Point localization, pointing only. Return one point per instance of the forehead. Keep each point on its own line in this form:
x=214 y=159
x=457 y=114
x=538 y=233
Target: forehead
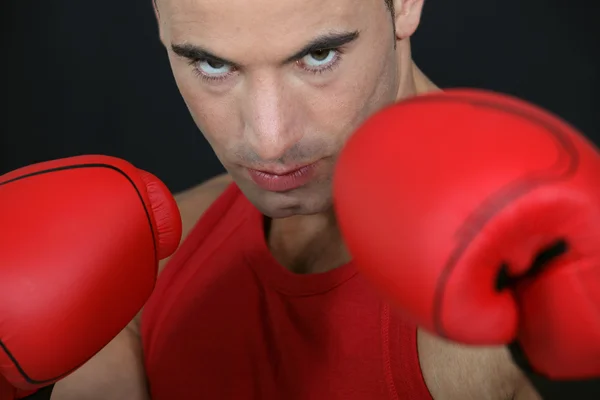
x=281 y=24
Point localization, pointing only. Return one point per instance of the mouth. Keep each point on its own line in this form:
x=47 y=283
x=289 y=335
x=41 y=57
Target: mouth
x=283 y=179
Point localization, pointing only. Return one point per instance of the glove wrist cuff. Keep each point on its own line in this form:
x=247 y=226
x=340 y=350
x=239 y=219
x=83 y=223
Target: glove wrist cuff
x=550 y=389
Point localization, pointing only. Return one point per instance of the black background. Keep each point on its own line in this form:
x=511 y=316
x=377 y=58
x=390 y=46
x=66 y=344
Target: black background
x=82 y=77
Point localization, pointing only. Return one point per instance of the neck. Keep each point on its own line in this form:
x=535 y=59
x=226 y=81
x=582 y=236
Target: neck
x=307 y=244
x=422 y=83
x=413 y=83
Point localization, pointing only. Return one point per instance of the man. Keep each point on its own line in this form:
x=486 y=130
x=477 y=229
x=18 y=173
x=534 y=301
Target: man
x=271 y=308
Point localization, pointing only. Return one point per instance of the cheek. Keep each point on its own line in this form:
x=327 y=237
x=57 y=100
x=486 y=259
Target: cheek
x=361 y=90
x=215 y=115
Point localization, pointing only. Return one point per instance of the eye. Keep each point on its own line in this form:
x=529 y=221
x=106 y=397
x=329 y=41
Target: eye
x=320 y=59
x=212 y=69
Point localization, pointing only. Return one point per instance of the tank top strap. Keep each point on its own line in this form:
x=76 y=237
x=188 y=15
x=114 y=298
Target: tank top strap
x=404 y=373
x=225 y=208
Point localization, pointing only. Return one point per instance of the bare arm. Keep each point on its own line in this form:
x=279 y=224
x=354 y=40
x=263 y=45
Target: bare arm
x=117 y=372
x=525 y=391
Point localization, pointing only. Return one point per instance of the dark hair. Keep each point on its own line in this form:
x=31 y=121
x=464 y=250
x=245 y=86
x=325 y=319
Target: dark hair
x=390 y=6
x=388 y=3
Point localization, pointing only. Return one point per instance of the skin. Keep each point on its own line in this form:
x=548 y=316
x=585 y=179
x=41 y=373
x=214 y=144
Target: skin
x=263 y=114
x=260 y=112
x=260 y=109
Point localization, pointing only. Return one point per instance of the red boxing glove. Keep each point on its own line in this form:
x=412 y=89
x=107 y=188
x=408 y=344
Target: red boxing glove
x=79 y=248
x=478 y=215
x=7 y=392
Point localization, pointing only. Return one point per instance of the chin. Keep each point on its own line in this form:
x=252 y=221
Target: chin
x=311 y=199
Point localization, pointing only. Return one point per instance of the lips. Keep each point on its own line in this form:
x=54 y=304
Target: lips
x=283 y=181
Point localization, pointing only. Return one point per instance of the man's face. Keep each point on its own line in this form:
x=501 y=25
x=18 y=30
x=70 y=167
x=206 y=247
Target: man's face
x=278 y=86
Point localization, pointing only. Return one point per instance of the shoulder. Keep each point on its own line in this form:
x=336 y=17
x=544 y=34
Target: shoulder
x=193 y=202
x=204 y=193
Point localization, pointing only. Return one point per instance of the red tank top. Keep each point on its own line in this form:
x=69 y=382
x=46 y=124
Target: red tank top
x=226 y=321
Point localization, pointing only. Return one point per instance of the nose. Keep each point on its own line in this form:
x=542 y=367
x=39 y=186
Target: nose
x=270 y=115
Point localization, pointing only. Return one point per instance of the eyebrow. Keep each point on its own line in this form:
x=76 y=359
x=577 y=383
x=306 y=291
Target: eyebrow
x=324 y=42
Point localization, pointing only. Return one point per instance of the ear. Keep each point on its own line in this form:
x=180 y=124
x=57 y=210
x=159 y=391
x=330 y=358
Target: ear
x=408 y=17
x=155 y=8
